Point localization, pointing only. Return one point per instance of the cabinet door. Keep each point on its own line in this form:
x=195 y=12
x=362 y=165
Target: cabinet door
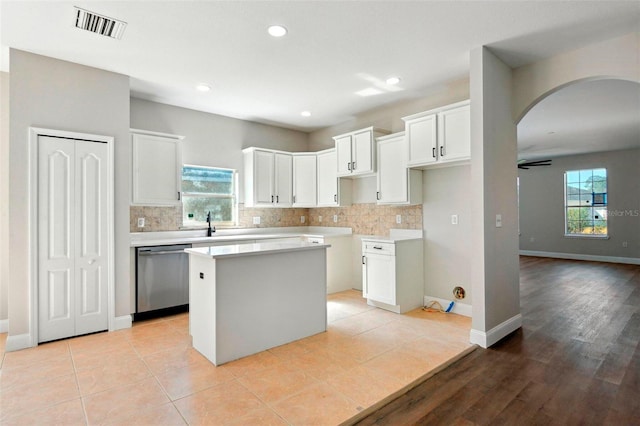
x=263 y=178
x=283 y=180
x=327 y=179
x=362 y=153
x=343 y=151
x=304 y=180
x=422 y=140
x=157 y=170
x=454 y=134
x=380 y=275
x=392 y=171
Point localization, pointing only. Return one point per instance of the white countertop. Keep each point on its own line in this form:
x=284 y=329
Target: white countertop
x=395 y=235
x=139 y=239
x=231 y=250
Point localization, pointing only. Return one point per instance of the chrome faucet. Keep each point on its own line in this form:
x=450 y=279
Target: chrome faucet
x=209 y=230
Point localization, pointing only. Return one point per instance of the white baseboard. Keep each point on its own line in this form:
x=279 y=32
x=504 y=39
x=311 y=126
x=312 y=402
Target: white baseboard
x=589 y=257
x=17 y=342
x=122 y=322
x=4 y=326
x=458 y=308
x=491 y=337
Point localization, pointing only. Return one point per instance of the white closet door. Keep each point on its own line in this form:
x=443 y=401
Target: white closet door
x=72 y=237
x=91 y=266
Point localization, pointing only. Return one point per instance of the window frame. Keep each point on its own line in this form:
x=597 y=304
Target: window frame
x=605 y=205
x=233 y=196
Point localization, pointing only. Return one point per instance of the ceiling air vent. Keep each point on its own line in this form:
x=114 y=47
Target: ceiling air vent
x=99 y=24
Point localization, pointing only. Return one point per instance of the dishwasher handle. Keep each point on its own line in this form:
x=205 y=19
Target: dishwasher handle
x=153 y=253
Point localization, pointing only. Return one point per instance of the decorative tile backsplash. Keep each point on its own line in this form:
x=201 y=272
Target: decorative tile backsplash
x=364 y=219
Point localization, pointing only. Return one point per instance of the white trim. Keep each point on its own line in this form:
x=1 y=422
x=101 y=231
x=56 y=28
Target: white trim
x=150 y=133
x=4 y=326
x=489 y=338
x=18 y=342
x=575 y=256
x=122 y=322
x=32 y=170
x=458 y=308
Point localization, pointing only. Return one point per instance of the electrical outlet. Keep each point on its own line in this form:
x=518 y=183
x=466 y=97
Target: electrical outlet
x=625 y=244
x=141 y=222
x=256 y=220
x=454 y=219
x=302 y=219
x=335 y=217
x=398 y=218
x=319 y=218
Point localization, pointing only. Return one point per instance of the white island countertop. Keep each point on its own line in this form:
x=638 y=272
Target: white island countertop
x=232 y=250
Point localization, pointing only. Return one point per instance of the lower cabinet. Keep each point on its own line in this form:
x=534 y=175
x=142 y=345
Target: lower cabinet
x=392 y=274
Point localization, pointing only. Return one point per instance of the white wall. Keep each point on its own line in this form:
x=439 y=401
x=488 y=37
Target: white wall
x=494 y=263
x=4 y=199
x=447 y=191
x=55 y=94
x=542 y=205
x=210 y=139
x=618 y=57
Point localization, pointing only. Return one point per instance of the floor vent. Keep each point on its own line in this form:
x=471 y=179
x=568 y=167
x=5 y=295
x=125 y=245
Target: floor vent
x=99 y=24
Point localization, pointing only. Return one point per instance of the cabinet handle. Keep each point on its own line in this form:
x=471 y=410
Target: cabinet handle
x=335 y=197
x=349 y=166
x=433 y=152
x=378 y=195
x=353 y=165
x=441 y=153
x=377 y=247
x=278 y=198
x=272 y=198
x=294 y=198
x=178 y=195
x=363 y=259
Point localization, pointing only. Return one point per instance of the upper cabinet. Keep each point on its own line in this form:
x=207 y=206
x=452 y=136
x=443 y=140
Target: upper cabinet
x=157 y=168
x=439 y=136
x=304 y=180
x=356 y=155
x=268 y=178
x=332 y=191
x=396 y=183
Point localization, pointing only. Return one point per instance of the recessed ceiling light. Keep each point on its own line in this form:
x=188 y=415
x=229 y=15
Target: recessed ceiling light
x=305 y=113
x=277 y=30
x=370 y=91
x=203 y=87
x=393 y=80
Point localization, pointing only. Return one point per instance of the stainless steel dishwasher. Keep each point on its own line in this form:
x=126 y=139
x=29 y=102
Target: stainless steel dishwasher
x=162 y=280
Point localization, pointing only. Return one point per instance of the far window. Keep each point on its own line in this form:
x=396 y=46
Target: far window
x=585 y=201
x=208 y=189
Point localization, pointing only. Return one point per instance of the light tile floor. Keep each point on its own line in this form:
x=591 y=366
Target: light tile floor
x=150 y=374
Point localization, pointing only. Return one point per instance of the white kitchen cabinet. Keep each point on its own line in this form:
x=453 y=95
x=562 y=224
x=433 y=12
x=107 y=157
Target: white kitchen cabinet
x=356 y=155
x=157 y=168
x=392 y=273
x=332 y=191
x=304 y=180
x=439 y=137
x=268 y=178
x=339 y=261
x=396 y=184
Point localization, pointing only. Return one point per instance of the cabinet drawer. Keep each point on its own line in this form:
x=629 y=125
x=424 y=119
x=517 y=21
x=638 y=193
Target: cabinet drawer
x=374 y=247
x=315 y=240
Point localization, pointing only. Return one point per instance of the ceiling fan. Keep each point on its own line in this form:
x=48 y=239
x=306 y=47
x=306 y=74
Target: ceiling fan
x=524 y=164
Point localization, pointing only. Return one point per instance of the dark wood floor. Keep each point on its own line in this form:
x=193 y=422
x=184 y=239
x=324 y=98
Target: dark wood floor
x=576 y=360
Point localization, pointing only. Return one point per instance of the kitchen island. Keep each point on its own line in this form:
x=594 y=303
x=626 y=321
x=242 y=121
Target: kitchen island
x=246 y=298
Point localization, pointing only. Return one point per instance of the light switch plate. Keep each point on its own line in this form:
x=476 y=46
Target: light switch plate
x=398 y=218
x=256 y=220
x=454 y=219
x=498 y=221
x=141 y=222
x=302 y=219
x=335 y=217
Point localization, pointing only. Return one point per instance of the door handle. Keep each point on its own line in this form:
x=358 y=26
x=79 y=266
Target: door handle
x=349 y=166
x=433 y=152
x=363 y=259
x=353 y=165
x=378 y=195
x=272 y=198
x=278 y=198
x=335 y=197
x=441 y=153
